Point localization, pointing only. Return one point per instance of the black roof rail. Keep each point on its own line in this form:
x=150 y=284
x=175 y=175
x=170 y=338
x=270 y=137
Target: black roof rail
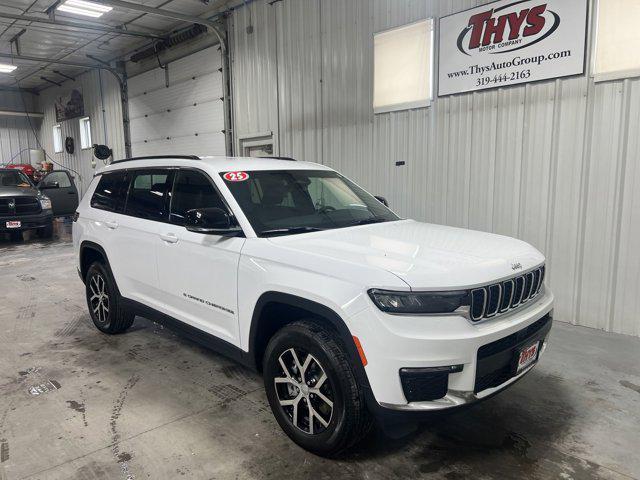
x=158 y=157
x=289 y=159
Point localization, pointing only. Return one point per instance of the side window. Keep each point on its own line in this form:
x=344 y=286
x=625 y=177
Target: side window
x=148 y=192
x=111 y=192
x=57 y=139
x=61 y=178
x=192 y=190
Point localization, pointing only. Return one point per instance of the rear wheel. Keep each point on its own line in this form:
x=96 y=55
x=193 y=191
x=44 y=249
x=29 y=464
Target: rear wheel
x=312 y=389
x=104 y=301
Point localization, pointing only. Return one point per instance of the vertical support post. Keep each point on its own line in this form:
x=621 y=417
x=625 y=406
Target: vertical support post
x=124 y=95
x=124 y=98
x=226 y=96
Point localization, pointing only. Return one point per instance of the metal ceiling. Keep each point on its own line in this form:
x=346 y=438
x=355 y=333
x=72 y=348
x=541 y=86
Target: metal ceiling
x=78 y=45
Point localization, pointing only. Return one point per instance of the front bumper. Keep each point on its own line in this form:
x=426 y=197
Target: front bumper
x=28 y=222
x=396 y=343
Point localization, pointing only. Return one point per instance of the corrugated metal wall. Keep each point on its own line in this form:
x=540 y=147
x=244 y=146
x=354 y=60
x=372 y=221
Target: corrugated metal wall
x=555 y=163
x=16 y=135
x=102 y=105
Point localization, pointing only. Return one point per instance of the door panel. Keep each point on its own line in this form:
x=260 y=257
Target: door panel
x=136 y=233
x=198 y=272
x=60 y=188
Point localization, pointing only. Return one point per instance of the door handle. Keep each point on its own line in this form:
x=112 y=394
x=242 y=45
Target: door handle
x=169 y=237
x=72 y=193
x=112 y=225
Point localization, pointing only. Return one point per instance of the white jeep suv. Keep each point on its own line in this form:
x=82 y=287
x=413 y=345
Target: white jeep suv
x=350 y=312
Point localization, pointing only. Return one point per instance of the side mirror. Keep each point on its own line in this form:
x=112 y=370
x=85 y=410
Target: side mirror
x=49 y=185
x=210 y=221
x=382 y=200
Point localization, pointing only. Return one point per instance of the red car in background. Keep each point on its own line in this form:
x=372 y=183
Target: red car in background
x=29 y=170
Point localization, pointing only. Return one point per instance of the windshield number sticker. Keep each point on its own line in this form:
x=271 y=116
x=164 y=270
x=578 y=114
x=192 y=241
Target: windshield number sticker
x=236 y=176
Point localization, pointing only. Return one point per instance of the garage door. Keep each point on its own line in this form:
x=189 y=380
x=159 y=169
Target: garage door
x=178 y=110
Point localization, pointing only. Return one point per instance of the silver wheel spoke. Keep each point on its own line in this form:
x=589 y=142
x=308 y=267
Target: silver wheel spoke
x=320 y=419
x=284 y=380
x=297 y=362
x=290 y=401
x=323 y=397
x=295 y=410
x=304 y=367
x=284 y=367
x=320 y=381
x=311 y=411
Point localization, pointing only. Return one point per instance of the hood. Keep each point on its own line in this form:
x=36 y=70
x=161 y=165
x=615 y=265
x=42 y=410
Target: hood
x=19 y=192
x=425 y=256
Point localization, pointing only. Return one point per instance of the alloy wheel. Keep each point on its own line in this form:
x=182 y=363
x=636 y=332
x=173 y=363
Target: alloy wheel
x=99 y=298
x=304 y=392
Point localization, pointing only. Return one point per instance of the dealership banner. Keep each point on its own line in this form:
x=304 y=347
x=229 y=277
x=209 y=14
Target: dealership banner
x=510 y=42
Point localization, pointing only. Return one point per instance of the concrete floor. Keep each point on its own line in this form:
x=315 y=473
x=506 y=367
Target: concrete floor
x=77 y=404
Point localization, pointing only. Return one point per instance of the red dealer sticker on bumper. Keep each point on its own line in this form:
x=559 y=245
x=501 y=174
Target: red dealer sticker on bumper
x=235 y=176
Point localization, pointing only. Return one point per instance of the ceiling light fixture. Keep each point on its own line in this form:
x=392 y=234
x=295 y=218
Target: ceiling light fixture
x=82 y=7
x=5 y=68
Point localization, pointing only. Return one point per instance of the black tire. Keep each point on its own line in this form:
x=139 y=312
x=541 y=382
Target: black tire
x=114 y=319
x=349 y=420
x=46 y=232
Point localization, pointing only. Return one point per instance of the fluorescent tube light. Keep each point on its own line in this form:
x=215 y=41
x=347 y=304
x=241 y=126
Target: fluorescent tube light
x=5 y=68
x=82 y=7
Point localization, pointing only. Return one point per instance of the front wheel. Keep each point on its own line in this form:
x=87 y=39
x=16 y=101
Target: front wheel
x=104 y=302
x=312 y=389
x=46 y=232
x=15 y=236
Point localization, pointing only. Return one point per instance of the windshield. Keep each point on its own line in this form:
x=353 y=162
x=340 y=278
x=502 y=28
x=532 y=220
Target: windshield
x=14 y=178
x=281 y=202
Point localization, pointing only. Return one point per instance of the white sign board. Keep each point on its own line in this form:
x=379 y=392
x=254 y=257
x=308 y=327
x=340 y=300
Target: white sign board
x=510 y=42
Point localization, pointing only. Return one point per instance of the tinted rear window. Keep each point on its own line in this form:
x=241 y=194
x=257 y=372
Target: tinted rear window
x=111 y=192
x=148 y=194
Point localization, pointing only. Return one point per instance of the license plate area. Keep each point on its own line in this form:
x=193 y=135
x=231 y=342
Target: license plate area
x=526 y=356
x=14 y=224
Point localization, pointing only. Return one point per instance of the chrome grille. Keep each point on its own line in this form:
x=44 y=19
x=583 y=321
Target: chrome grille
x=498 y=298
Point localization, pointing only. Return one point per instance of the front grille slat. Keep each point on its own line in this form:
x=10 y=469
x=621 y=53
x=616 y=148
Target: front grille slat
x=498 y=298
x=478 y=303
x=507 y=295
x=493 y=301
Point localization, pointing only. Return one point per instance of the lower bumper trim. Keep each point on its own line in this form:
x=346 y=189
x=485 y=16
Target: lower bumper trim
x=456 y=398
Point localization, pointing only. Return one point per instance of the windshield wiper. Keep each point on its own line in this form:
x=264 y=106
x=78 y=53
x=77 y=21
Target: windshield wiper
x=290 y=230
x=368 y=221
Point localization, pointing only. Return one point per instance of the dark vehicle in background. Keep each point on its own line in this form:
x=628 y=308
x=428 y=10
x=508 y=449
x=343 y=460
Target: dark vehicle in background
x=23 y=206
x=59 y=187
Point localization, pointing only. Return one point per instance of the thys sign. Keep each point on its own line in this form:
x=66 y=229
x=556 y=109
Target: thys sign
x=511 y=42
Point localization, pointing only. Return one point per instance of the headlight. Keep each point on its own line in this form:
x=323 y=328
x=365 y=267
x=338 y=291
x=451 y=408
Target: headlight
x=45 y=203
x=419 y=302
